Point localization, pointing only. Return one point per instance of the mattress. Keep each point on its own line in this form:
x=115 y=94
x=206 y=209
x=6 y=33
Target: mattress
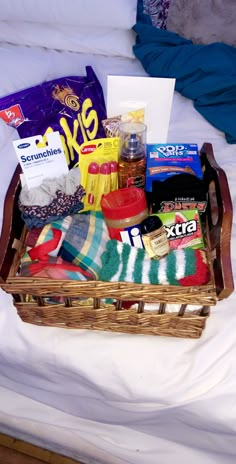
x=109 y=397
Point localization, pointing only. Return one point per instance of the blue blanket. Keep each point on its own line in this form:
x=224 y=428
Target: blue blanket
x=204 y=73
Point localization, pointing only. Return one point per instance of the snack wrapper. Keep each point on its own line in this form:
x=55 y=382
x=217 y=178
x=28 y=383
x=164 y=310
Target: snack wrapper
x=111 y=125
x=72 y=105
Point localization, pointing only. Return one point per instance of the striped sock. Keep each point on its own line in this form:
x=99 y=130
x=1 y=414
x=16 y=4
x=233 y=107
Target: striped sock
x=123 y=263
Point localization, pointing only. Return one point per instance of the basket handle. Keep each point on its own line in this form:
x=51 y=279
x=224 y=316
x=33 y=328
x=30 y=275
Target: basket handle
x=219 y=216
x=12 y=225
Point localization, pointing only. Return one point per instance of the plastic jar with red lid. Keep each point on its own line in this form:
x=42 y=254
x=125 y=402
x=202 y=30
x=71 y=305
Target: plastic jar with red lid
x=123 y=211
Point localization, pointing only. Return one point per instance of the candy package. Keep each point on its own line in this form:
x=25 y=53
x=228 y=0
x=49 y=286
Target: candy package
x=111 y=125
x=72 y=105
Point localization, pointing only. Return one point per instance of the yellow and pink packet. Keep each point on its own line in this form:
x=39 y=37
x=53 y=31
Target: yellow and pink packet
x=98 y=163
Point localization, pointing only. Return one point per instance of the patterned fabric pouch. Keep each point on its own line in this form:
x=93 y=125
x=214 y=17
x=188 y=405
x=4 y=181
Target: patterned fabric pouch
x=41 y=260
x=85 y=241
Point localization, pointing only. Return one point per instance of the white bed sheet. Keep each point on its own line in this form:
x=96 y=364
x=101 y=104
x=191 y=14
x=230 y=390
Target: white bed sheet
x=109 y=397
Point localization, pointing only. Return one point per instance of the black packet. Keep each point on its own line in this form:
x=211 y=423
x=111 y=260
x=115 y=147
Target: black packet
x=178 y=192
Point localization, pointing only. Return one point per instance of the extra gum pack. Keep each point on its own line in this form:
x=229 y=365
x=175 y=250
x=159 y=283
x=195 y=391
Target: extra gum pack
x=183 y=228
x=166 y=160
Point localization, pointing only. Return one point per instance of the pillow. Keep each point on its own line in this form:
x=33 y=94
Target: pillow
x=203 y=22
x=95 y=40
x=93 y=13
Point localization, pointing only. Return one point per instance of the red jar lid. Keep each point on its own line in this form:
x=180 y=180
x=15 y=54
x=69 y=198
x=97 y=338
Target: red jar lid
x=123 y=203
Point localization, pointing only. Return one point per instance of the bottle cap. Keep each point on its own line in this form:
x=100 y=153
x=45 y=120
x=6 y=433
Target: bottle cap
x=133 y=140
x=123 y=203
x=114 y=166
x=93 y=168
x=105 y=168
x=132 y=143
x=150 y=224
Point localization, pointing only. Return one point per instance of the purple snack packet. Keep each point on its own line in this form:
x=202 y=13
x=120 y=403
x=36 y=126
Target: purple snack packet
x=72 y=105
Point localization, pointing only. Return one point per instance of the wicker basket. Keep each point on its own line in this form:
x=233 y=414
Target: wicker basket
x=81 y=306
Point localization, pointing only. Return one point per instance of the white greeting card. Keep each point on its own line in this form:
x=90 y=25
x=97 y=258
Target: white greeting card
x=40 y=158
x=154 y=94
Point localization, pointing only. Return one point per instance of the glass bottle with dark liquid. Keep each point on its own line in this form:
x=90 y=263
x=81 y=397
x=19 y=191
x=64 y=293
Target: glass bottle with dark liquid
x=132 y=161
x=154 y=237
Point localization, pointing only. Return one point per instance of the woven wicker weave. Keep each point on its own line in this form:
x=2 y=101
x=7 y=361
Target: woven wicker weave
x=82 y=303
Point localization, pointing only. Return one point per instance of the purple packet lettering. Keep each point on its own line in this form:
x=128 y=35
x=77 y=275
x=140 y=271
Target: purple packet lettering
x=72 y=105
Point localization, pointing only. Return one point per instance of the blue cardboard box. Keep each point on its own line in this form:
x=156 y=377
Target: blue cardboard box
x=168 y=159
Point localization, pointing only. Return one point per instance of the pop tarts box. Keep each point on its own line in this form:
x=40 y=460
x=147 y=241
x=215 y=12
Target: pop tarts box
x=168 y=159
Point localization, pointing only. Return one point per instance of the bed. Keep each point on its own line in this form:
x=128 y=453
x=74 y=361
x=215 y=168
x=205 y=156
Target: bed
x=109 y=397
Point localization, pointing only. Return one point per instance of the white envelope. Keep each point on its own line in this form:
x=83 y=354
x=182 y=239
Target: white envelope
x=154 y=94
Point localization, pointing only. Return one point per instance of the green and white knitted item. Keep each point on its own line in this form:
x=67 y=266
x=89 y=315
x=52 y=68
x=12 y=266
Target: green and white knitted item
x=124 y=263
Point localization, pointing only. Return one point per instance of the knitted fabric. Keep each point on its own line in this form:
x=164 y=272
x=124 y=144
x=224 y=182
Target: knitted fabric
x=123 y=263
